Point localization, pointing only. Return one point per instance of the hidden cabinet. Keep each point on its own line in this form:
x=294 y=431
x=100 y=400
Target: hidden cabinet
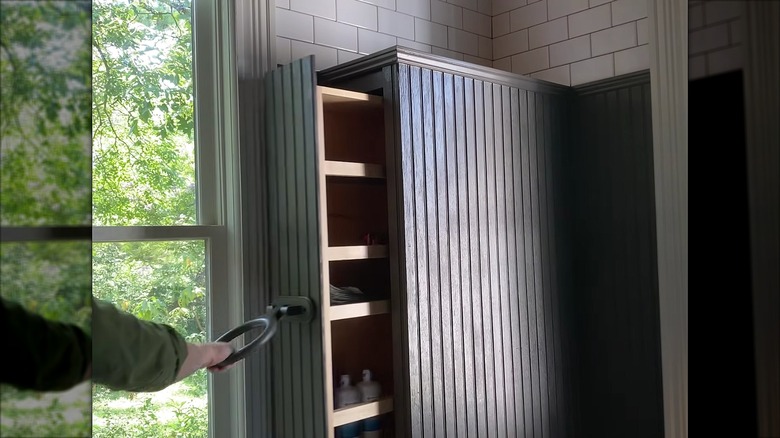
x=412 y=198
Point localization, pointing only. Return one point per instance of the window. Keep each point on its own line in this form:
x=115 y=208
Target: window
x=44 y=192
x=162 y=189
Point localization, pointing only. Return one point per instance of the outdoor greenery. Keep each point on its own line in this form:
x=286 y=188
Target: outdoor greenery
x=144 y=174
x=136 y=109
x=45 y=113
x=45 y=126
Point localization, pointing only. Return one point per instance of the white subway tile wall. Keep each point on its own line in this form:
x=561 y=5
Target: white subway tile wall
x=531 y=61
x=283 y=51
x=559 y=75
x=593 y=69
x=334 y=34
x=510 y=44
x=548 y=33
x=503 y=63
x=584 y=40
x=566 y=52
x=613 y=39
x=357 y=14
x=569 y=42
x=395 y=23
x=624 y=11
x=430 y=33
x=414 y=45
x=500 y=24
x=631 y=60
x=468 y=43
x=325 y=56
x=475 y=22
x=641 y=32
x=447 y=53
x=446 y=14
x=417 y=8
x=319 y=8
x=370 y=41
x=715 y=39
x=346 y=29
x=590 y=20
x=527 y=16
x=560 y=8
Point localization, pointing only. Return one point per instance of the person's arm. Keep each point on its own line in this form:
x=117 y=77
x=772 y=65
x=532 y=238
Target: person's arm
x=42 y=355
x=204 y=356
x=136 y=355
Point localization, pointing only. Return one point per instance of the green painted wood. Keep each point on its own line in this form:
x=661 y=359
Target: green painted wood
x=612 y=224
x=294 y=253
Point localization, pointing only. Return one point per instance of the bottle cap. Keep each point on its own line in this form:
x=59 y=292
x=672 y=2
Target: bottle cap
x=366 y=375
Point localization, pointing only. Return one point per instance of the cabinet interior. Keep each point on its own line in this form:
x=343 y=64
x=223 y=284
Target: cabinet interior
x=358 y=336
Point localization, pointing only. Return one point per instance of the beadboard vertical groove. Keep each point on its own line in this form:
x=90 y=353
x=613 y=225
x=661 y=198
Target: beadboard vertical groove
x=477 y=171
x=294 y=254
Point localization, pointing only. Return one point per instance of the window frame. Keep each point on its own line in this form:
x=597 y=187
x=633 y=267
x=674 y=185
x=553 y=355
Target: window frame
x=218 y=201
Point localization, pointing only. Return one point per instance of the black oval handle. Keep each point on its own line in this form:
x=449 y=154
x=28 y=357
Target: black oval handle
x=268 y=322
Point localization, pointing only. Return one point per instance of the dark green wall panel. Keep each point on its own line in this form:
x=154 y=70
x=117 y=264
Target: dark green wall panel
x=614 y=260
x=296 y=351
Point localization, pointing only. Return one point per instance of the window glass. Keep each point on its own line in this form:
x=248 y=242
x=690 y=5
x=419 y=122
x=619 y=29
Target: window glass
x=51 y=279
x=143 y=135
x=162 y=282
x=45 y=113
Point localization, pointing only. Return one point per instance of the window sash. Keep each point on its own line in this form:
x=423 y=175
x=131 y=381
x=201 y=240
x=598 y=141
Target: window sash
x=217 y=202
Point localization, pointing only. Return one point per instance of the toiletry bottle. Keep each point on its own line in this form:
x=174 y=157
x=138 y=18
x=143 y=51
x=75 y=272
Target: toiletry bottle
x=372 y=428
x=369 y=390
x=347 y=395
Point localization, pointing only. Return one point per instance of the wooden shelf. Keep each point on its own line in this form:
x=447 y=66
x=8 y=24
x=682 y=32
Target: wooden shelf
x=359 y=170
x=335 y=96
x=357 y=310
x=362 y=411
x=336 y=253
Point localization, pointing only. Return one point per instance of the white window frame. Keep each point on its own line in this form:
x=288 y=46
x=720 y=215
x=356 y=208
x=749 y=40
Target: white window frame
x=217 y=169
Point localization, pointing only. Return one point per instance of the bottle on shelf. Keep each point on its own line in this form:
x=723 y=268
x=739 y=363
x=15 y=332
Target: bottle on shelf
x=372 y=428
x=346 y=395
x=369 y=389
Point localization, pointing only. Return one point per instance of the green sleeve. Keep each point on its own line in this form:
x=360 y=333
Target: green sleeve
x=41 y=354
x=133 y=354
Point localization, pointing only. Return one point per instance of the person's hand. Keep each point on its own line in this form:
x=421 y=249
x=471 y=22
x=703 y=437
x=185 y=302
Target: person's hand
x=206 y=355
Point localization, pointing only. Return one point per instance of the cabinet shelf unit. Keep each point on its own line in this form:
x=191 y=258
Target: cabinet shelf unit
x=362 y=411
x=359 y=310
x=353 y=200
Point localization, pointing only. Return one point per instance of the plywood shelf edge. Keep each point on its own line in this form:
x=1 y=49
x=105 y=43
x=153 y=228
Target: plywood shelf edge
x=362 y=411
x=336 y=253
x=357 y=310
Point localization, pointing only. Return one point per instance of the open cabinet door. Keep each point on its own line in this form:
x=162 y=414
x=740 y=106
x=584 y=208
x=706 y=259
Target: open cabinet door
x=295 y=259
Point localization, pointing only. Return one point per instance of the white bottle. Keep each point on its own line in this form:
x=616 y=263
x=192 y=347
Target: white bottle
x=346 y=394
x=369 y=390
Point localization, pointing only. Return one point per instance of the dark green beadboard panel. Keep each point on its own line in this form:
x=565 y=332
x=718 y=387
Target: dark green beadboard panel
x=612 y=226
x=478 y=192
x=294 y=256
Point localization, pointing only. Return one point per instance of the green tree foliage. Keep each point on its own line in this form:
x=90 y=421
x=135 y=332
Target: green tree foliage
x=45 y=116
x=45 y=123
x=143 y=141
x=144 y=174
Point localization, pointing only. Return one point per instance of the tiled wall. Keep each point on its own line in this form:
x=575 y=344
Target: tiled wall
x=715 y=41
x=570 y=42
x=337 y=31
